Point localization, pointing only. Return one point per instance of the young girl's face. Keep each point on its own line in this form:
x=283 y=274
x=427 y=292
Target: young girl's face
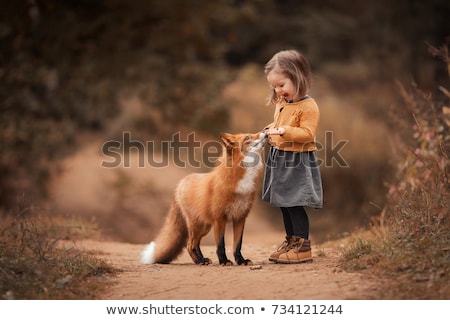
x=282 y=85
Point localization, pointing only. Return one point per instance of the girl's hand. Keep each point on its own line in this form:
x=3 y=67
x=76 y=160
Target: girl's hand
x=275 y=131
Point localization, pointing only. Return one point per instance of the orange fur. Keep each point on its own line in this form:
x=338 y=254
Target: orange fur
x=206 y=200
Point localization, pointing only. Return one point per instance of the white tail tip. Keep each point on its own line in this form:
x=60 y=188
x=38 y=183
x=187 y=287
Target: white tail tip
x=148 y=253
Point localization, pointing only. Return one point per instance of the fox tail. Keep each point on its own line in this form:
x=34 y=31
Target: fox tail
x=170 y=241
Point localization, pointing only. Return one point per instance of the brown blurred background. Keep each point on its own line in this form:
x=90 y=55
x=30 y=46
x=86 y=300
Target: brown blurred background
x=78 y=73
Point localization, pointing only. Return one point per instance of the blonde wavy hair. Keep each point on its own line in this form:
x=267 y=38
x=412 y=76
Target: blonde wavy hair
x=293 y=65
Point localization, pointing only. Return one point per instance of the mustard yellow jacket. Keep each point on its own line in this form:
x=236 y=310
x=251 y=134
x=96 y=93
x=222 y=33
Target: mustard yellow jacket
x=300 y=120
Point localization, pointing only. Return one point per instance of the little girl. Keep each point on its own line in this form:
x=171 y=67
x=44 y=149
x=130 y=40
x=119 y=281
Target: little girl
x=292 y=178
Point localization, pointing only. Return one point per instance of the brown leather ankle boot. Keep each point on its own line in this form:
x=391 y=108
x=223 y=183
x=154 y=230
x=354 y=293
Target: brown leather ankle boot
x=283 y=248
x=299 y=251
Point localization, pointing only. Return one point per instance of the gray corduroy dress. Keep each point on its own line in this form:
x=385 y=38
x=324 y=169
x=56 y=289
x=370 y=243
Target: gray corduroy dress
x=292 y=179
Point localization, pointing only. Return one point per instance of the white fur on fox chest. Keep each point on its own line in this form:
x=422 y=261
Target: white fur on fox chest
x=248 y=182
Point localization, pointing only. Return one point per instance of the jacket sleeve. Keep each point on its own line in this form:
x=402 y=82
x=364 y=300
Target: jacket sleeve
x=306 y=129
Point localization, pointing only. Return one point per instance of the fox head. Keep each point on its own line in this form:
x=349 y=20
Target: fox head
x=243 y=148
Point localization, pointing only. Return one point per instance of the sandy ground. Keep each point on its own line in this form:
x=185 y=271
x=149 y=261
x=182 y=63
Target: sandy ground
x=321 y=279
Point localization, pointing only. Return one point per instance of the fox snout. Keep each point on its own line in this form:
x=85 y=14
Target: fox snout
x=260 y=141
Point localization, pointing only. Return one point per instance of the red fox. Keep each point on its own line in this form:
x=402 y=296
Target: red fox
x=206 y=200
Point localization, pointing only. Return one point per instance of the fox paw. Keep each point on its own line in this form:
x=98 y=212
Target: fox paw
x=245 y=262
x=226 y=263
x=203 y=261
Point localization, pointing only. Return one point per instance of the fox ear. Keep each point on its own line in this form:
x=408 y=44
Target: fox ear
x=226 y=140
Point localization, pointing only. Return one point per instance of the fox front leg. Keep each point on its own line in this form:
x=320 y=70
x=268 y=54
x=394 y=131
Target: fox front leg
x=238 y=231
x=219 y=233
x=223 y=259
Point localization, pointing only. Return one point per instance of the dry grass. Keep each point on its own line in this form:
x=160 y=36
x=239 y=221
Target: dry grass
x=406 y=268
x=410 y=243
x=34 y=266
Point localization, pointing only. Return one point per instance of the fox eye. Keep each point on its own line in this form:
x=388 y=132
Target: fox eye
x=246 y=138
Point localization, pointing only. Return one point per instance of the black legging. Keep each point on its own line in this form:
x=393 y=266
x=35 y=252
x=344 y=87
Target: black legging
x=296 y=221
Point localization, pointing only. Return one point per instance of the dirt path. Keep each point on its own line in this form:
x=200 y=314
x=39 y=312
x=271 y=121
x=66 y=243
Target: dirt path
x=320 y=280
x=130 y=204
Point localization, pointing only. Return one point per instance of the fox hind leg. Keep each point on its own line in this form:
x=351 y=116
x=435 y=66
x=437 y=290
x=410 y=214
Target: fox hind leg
x=197 y=255
x=193 y=244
